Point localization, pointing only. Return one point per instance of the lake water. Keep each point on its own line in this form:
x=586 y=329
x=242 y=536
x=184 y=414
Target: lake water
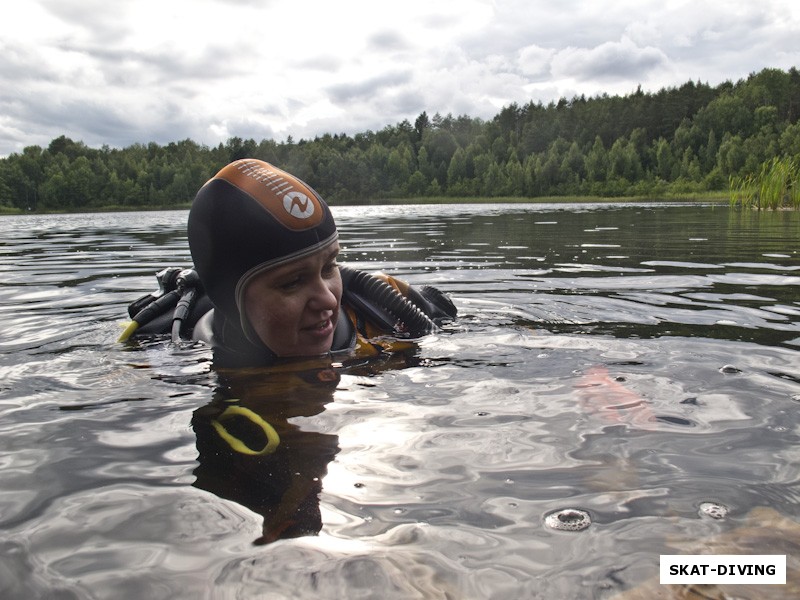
x=638 y=363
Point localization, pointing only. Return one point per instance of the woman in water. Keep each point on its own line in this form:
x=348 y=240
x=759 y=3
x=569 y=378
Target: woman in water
x=264 y=245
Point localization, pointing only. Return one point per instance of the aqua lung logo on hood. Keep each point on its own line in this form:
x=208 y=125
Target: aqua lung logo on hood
x=298 y=205
x=284 y=196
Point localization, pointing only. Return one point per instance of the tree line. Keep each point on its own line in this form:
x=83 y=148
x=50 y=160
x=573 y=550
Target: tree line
x=688 y=139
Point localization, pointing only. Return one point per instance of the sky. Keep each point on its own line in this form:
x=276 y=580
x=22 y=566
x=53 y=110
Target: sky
x=122 y=72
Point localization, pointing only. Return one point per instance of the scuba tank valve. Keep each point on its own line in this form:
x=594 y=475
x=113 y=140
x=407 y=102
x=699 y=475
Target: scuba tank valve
x=188 y=282
x=167 y=281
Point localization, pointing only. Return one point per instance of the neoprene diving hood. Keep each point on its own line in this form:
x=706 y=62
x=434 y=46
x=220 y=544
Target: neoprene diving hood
x=249 y=218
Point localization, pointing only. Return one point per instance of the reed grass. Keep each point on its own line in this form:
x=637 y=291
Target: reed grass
x=777 y=185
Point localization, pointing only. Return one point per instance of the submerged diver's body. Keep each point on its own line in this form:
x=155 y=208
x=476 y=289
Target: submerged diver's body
x=278 y=477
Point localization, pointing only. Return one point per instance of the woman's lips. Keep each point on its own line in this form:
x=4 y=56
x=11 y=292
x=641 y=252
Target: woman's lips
x=321 y=329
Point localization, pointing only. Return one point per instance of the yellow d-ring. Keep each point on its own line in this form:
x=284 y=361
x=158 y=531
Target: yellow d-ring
x=273 y=439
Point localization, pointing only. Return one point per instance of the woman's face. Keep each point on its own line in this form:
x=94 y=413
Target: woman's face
x=294 y=307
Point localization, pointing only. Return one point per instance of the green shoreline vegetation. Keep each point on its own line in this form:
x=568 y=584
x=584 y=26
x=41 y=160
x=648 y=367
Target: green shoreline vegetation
x=775 y=186
x=738 y=142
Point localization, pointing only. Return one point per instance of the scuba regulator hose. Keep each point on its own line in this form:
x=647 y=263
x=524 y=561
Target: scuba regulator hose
x=179 y=289
x=188 y=286
x=414 y=322
x=151 y=311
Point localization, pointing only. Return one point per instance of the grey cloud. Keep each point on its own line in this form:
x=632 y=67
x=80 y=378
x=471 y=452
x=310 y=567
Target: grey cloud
x=21 y=64
x=95 y=119
x=121 y=67
x=534 y=61
x=520 y=23
x=390 y=107
x=248 y=128
x=327 y=63
x=609 y=61
x=408 y=102
x=97 y=30
x=87 y=121
x=387 y=41
x=346 y=92
x=43 y=116
x=104 y=20
x=436 y=21
x=110 y=91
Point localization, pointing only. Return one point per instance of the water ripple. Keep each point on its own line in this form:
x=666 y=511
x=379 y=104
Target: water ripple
x=637 y=363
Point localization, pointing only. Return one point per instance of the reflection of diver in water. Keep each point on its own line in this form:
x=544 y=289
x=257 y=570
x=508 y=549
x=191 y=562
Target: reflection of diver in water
x=252 y=450
x=251 y=453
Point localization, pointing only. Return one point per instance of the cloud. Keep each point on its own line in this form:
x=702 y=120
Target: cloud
x=535 y=61
x=102 y=21
x=243 y=126
x=148 y=70
x=610 y=61
x=23 y=64
x=387 y=40
x=321 y=62
x=367 y=88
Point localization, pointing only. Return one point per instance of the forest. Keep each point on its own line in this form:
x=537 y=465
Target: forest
x=691 y=139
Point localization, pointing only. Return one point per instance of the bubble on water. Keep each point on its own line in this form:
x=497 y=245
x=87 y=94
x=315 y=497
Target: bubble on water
x=729 y=370
x=568 y=519
x=714 y=510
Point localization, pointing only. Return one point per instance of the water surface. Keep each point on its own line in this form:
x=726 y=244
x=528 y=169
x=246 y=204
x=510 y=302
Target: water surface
x=634 y=362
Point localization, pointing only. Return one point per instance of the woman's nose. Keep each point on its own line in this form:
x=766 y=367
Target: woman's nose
x=325 y=294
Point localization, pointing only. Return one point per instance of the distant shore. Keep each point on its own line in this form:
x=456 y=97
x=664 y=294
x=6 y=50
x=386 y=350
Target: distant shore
x=714 y=197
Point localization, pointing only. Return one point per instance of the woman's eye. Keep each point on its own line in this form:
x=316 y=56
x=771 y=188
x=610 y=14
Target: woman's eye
x=291 y=283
